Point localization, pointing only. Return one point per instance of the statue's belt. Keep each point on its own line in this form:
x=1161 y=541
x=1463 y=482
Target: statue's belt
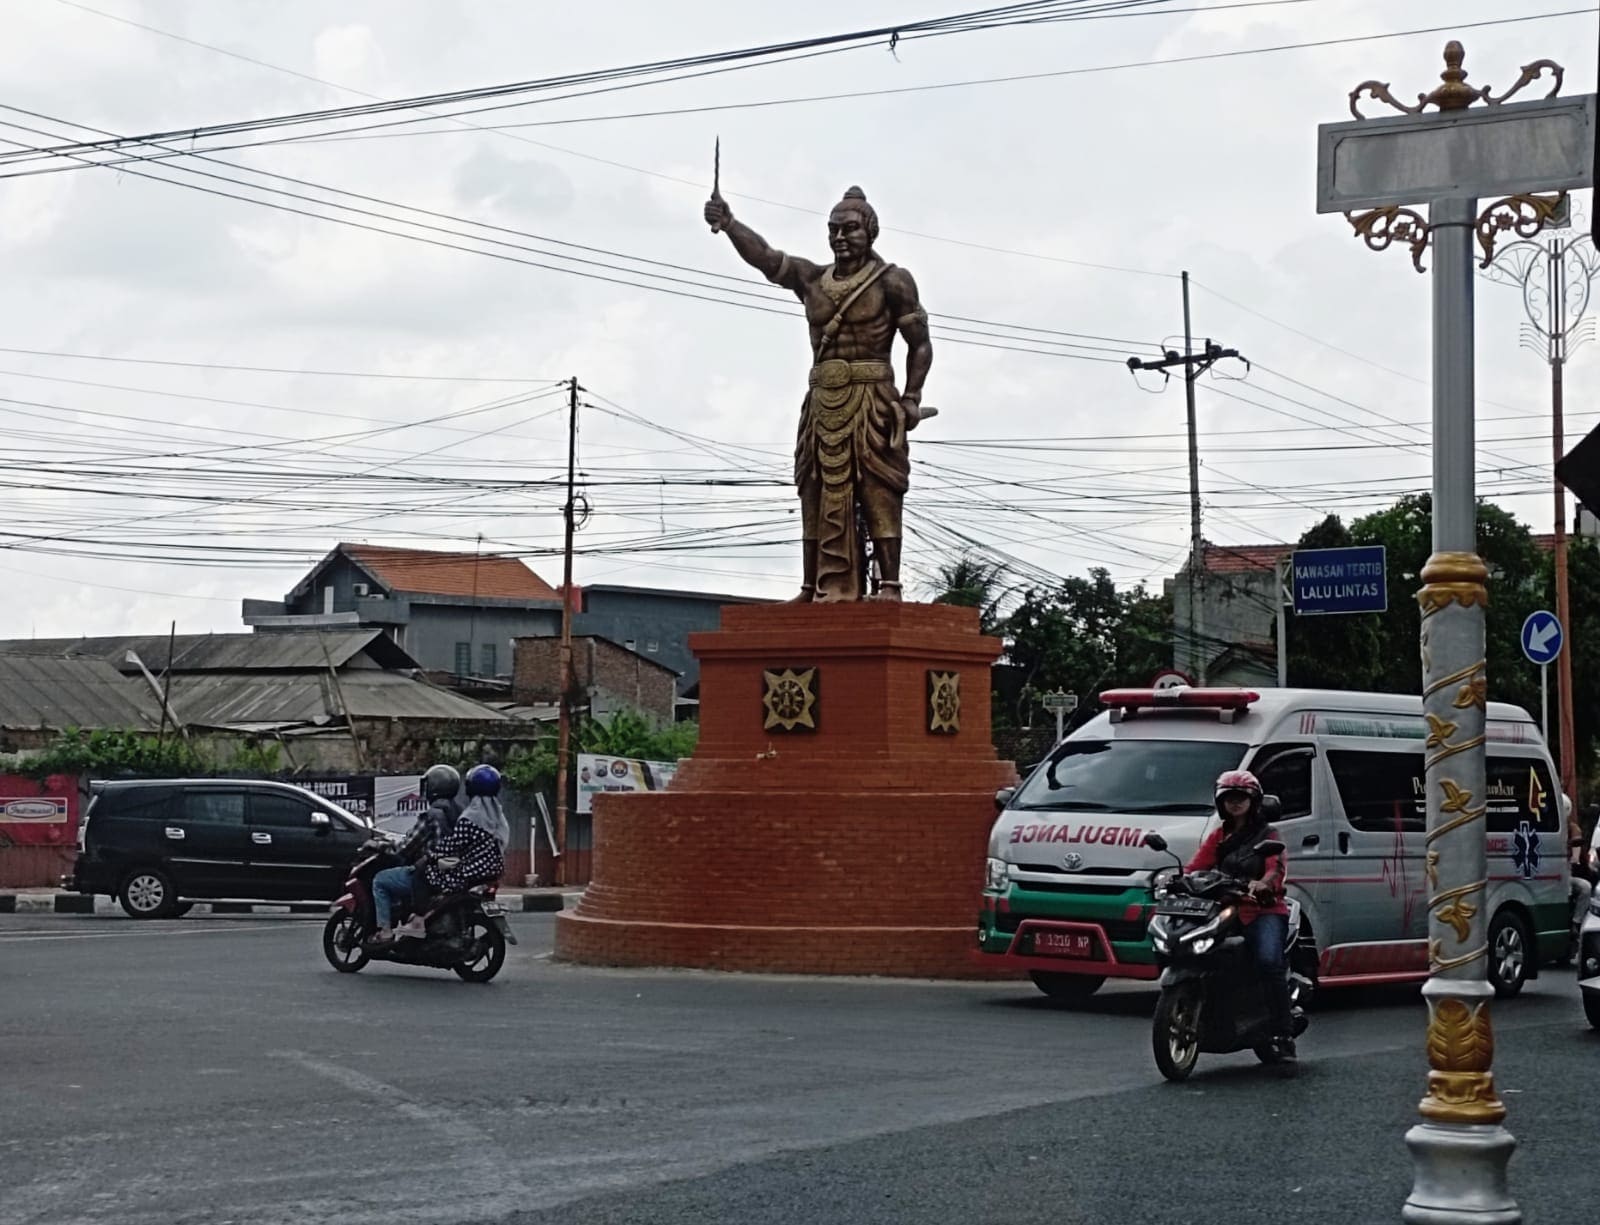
x=836 y=372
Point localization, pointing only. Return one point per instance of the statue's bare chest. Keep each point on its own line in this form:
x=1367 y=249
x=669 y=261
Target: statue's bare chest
x=826 y=294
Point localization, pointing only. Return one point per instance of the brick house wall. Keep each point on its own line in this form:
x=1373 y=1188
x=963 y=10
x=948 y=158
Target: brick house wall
x=610 y=675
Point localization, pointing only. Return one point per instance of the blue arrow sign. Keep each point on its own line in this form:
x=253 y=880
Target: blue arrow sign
x=1542 y=637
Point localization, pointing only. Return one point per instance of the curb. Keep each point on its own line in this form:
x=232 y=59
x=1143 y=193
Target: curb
x=83 y=903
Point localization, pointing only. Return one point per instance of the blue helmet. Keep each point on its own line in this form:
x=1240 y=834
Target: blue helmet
x=483 y=780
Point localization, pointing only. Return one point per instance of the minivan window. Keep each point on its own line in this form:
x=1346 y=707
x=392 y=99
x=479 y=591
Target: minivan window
x=1387 y=792
x=280 y=811
x=214 y=807
x=1285 y=771
x=1143 y=776
x=137 y=803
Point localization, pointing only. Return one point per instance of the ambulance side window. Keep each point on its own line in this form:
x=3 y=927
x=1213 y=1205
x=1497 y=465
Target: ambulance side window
x=1285 y=771
x=1382 y=793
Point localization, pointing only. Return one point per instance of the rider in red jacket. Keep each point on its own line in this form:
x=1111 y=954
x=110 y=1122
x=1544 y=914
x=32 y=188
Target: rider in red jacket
x=1231 y=848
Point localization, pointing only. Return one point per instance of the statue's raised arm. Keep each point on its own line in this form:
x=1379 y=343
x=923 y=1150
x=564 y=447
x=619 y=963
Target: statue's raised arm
x=786 y=270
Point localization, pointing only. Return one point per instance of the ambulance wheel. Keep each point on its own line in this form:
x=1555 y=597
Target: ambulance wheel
x=1066 y=988
x=1510 y=949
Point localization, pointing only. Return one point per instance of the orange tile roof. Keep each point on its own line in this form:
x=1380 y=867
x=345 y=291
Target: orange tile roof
x=425 y=572
x=1244 y=558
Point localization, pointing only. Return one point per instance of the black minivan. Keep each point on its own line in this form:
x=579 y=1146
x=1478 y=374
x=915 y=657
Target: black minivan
x=155 y=843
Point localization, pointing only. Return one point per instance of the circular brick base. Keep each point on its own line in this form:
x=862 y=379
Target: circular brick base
x=902 y=952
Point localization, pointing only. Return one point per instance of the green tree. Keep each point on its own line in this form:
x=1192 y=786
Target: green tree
x=1516 y=588
x=1081 y=637
x=1382 y=651
x=971 y=581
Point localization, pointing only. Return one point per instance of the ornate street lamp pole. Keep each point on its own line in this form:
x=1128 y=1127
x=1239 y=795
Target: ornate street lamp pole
x=1373 y=171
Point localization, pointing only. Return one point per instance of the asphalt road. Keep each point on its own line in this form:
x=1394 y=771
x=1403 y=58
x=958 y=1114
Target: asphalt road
x=210 y=1071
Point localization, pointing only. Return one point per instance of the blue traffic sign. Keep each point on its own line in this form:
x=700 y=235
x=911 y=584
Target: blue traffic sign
x=1350 y=580
x=1542 y=637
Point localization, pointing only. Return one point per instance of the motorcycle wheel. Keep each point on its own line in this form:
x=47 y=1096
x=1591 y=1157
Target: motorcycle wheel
x=1591 y=1008
x=490 y=948
x=342 y=938
x=1175 y=1032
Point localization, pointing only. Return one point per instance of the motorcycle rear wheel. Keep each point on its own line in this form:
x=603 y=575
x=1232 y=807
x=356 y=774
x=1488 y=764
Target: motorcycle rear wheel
x=342 y=938
x=490 y=946
x=1175 y=1031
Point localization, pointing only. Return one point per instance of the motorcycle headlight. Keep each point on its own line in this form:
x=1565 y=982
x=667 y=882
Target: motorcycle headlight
x=997 y=875
x=1160 y=934
x=1203 y=945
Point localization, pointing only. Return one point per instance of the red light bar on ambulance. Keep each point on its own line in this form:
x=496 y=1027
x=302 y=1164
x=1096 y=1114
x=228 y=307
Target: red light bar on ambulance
x=1227 y=702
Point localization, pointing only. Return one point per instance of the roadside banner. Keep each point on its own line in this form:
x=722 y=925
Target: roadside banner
x=597 y=773
x=38 y=814
x=397 y=802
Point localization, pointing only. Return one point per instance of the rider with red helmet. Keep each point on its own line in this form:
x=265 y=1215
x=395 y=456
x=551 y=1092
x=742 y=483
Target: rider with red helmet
x=1264 y=913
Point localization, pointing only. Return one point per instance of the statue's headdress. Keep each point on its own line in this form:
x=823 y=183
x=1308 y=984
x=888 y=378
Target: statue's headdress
x=856 y=200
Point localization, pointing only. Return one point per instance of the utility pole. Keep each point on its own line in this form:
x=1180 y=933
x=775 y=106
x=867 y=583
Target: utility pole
x=1556 y=277
x=564 y=725
x=1194 y=365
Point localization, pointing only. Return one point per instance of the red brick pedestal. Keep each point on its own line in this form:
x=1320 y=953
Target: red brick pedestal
x=833 y=819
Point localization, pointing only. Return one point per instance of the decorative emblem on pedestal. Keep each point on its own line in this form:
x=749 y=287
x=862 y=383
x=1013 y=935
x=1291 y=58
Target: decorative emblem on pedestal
x=790 y=700
x=944 y=702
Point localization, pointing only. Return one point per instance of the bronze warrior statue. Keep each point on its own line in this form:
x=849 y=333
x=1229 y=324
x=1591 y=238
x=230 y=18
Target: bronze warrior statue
x=851 y=454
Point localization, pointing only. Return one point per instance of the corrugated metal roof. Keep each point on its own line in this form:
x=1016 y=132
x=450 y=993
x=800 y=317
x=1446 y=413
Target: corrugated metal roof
x=223 y=699
x=273 y=650
x=47 y=691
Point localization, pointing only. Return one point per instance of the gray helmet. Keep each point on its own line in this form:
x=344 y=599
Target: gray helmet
x=441 y=783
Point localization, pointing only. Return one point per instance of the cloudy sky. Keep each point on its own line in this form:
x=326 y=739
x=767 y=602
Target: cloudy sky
x=284 y=381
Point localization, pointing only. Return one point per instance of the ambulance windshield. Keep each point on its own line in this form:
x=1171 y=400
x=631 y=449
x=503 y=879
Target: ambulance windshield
x=1143 y=776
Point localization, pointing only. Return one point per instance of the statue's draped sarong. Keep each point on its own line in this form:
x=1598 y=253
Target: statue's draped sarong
x=852 y=445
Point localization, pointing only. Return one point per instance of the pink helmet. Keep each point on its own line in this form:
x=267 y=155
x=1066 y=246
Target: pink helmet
x=1241 y=781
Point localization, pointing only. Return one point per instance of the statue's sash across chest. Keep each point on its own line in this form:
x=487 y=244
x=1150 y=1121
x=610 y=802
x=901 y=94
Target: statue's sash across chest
x=871 y=307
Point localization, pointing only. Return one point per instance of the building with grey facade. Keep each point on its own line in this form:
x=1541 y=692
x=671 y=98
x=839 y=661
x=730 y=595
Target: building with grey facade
x=654 y=621
x=454 y=613
x=1236 y=640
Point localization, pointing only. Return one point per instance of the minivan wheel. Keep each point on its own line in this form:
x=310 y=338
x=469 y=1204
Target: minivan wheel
x=1510 y=949
x=147 y=893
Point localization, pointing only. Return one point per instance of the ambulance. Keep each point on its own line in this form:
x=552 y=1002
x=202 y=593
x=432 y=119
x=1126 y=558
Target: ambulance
x=1068 y=886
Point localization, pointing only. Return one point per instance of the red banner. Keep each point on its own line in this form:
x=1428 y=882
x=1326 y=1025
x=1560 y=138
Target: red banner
x=38 y=814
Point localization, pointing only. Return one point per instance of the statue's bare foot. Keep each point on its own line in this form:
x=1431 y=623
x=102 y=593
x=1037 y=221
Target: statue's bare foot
x=888 y=592
x=808 y=595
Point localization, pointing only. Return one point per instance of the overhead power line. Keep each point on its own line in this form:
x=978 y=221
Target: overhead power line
x=635 y=75
x=1017 y=78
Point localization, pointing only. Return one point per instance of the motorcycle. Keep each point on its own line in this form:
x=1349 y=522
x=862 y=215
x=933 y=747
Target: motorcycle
x=465 y=932
x=1211 y=995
